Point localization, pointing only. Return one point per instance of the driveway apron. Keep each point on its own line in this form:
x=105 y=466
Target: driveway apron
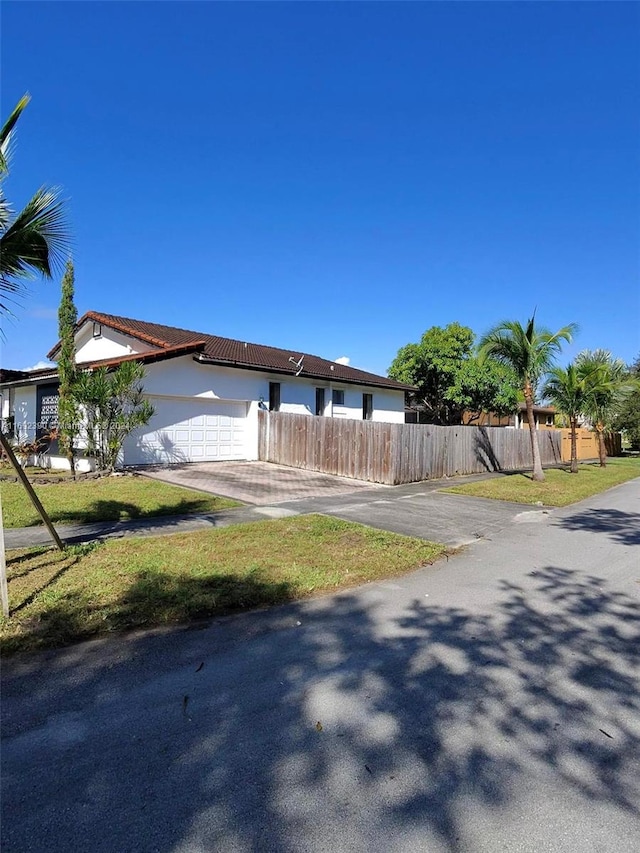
x=413 y=509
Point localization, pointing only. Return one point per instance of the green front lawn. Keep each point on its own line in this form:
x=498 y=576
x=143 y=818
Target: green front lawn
x=560 y=487
x=105 y=499
x=59 y=598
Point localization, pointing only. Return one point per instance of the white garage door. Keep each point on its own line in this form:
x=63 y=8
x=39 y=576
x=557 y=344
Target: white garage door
x=191 y=430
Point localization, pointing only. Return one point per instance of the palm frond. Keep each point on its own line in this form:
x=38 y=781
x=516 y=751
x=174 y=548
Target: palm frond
x=6 y=131
x=36 y=241
x=607 y=381
x=530 y=350
x=5 y=213
x=566 y=390
x=566 y=333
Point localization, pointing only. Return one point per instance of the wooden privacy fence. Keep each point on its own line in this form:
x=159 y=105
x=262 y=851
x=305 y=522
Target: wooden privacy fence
x=587 y=444
x=397 y=453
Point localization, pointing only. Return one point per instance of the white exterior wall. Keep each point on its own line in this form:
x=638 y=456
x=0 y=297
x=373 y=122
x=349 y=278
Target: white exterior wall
x=25 y=413
x=184 y=379
x=61 y=463
x=7 y=403
x=388 y=406
x=110 y=345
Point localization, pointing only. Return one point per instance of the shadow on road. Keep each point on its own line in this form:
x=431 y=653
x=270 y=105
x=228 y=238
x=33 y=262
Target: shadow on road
x=622 y=527
x=297 y=723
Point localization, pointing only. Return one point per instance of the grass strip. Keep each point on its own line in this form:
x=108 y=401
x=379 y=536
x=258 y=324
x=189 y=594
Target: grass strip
x=560 y=487
x=104 y=499
x=95 y=589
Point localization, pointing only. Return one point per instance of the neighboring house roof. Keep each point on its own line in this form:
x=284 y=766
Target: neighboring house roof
x=211 y=349
x=541 y=410
x=20 y=377
x=13 y=375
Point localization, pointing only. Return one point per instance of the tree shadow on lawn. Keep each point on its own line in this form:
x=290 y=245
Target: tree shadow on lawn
x=113 y=510
x=302 y=726
x=15 y=574
x=65 y=560
x=622 y=527
x=153 y=599
x=17 y=559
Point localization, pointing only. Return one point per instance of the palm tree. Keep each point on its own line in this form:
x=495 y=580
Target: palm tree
x=607 y=382
x=35 y=240
x=530 y=352
x=567 y=390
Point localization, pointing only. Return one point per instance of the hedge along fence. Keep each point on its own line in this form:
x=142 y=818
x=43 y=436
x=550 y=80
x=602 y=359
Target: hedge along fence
x=397 y=453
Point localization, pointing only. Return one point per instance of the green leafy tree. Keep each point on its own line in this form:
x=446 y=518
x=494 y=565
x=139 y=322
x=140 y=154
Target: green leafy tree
x=114 y=405
x=486 y=387
x=448 y=378
x=608 y=385
x=68 y=415
x=530 y=352
x=33 y=241
x=627 y=420
x=567 y=390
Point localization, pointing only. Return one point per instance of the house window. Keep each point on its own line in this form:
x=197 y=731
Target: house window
x=549 y=420
x=319 y=401
x=337 y=397
x=97 y=330
x=274 y=396
x=367 y=407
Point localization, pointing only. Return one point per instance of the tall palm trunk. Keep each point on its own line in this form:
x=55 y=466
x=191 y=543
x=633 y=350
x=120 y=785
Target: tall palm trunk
x=538 y=473
x=602 y=450
x=574 y=445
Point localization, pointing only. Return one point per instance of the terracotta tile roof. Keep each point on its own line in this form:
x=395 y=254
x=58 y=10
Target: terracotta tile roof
x=225 y=351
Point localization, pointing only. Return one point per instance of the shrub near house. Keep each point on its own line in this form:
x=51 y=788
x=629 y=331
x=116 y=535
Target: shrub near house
x=113 y=406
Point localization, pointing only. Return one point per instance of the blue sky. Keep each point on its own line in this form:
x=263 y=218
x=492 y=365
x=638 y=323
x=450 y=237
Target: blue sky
x=334 y=178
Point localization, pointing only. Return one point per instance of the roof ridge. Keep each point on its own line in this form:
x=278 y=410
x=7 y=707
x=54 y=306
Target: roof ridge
x=235 y=351
x=110 y=318
x=208 y=335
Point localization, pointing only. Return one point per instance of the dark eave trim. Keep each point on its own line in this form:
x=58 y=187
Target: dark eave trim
x=220 y=362
x=30 y=380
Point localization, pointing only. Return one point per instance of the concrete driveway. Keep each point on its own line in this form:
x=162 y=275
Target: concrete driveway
x=413 y=509
x=275 y=491
x=488 y=703
x=259 y=483
x=425 y=511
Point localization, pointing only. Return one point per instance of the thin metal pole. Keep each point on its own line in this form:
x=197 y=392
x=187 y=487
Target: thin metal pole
x=4 y=590
x=30 y=491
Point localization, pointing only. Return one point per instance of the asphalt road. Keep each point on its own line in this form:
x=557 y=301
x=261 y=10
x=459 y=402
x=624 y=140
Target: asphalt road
x=487 y=703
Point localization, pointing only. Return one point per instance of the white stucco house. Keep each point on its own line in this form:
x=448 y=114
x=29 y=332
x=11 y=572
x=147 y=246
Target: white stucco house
x=206 y=390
